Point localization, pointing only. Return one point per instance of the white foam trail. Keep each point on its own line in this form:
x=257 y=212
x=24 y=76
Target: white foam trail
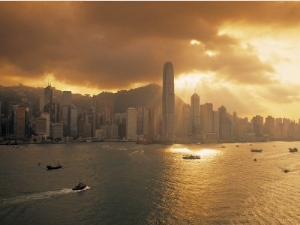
x=86 y=188
x=38 y=196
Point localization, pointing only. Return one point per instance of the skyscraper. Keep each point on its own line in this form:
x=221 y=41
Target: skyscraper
x=168 y=103
x=131 y=124
x=66 y=102
x=195 y=114
x=48 y=102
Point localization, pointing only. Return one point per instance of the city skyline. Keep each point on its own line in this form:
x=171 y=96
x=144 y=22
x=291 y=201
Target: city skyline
x=246 y=60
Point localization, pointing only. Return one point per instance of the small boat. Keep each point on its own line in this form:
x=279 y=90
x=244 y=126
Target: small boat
x=293 y=149
x=285 y=170
x=58 y=166
x=191 y=156
x=256 y=150
x=79 y=186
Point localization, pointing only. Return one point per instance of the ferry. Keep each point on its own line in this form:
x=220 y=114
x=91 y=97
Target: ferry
x=191 y=156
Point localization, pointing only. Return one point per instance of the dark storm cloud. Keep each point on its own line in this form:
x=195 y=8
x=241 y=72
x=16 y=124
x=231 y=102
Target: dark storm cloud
x=111 y=45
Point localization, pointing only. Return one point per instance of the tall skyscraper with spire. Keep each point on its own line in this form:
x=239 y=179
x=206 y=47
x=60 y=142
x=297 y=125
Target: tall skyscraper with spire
x=168 y=103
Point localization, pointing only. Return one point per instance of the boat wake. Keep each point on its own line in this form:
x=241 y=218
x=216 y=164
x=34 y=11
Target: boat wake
x=140 y=151
x=84 y=189
x=39 y=196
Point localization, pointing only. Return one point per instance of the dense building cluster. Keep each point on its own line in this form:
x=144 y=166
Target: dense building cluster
x=94 y=119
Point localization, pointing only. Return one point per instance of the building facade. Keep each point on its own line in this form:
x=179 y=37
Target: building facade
x=168 y=103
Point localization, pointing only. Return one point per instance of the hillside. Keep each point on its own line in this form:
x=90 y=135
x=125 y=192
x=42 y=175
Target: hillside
x=149 y=95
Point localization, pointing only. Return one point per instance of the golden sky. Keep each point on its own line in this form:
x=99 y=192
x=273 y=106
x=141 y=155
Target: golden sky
x=243 y=55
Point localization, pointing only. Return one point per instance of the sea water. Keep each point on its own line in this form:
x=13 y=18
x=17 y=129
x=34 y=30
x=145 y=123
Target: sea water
x=150 y=184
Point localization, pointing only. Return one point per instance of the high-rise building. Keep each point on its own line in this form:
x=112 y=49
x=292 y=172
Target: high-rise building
x=73 y=121
x=66 y=101
x=41 y=126
x=48 y=100
x=269 y=126
x=47 y=117
x=186 y=121
x=207 y=118
x=195 y=114
x=168 y=103
x=258 y=125
x=20 y=122
x=131 y=124
x=224 y=124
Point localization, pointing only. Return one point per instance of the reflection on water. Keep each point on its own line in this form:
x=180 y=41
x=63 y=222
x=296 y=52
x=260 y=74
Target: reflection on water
x=151 y=184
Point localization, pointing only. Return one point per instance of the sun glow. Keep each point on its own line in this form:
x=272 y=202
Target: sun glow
x=180 y=150
x=279 y=49
x=207 y=152
x=210 y=53
x=195 y=42
x=187 y=84
x=61 y=85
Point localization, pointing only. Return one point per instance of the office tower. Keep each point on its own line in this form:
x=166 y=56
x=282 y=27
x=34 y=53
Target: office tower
x=157 y=124
x=139 y=111
x=206 y=118
x=195 y=114
x=168 y=103
x=73 y=121
x=258 y=123
x=66 y=101
x=20 y=122
x=186 y=121
x=269 y=126
x=216 y=123
x=224 y=124
x=47 y=100
x=131 y=124
x=47 y=117
x=41 y=126
x=120 y=120
x=0 y=120
x=57 y=131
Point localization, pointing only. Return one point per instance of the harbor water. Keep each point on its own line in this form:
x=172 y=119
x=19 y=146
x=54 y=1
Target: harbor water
x=133 y=184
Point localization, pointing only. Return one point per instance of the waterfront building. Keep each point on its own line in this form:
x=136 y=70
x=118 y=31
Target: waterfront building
x=206 y=117
x=0 y=120
x=120 y=120
x=73 y=121
x=224 y=125
x=57 y=131
x=168 y=103
x=41 y=126
x=109 y=131
x=20 y=122
x=47 y=101
x=195 y=114
x=139 y=111
x=209 y=134
x=131 y=124
x=47 y=117
x=87 y=130
x=66 y=101
x=257 y=123
x=269 y=126
x=186 y=121
x=157 y=126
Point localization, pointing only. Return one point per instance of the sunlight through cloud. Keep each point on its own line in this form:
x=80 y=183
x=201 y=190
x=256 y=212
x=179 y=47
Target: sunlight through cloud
x=194 y=42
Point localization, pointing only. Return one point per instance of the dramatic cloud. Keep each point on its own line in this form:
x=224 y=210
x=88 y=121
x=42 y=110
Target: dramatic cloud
x=118 y=45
